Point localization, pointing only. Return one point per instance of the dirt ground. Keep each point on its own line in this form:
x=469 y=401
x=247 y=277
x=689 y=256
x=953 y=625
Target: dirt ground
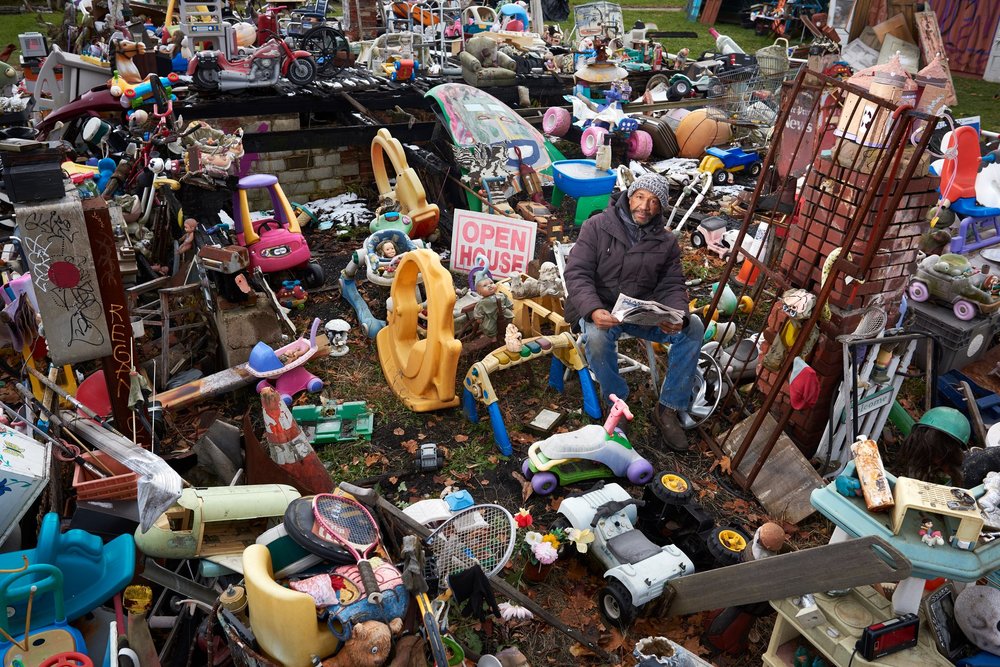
x=474 y=463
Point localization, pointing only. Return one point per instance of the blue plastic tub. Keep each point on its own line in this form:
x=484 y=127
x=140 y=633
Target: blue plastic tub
x=580 y=178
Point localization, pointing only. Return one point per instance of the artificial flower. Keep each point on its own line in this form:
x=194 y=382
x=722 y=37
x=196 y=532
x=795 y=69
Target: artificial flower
x=551 y=539
x=531 y=538
x=545 y=553
x=513 y=612
x=581 y=538
x=523 y=518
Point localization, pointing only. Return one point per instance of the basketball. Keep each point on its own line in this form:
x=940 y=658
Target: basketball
x=697 y=131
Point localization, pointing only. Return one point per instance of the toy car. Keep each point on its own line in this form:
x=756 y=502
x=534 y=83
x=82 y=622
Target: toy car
x=591 y=452
x=682 y=85
x=720 y=162
x=713 y=233
x=637 y=569
x=947 y=278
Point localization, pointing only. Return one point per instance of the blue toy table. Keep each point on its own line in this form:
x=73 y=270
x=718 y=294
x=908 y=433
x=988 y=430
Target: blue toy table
x=853 y=519
x=581 y=179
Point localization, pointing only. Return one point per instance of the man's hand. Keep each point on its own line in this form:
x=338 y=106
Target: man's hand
x=671 y=327
x=603 y=319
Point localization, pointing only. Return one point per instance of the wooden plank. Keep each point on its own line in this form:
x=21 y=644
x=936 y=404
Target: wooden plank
x=931 y=44
x=711 y=12
x=65 y=279
x=786 y=480
x=846 y=564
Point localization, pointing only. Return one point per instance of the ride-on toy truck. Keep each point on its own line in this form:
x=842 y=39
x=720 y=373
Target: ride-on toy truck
x=637 y=569
x=720 y=162
x=591 y=452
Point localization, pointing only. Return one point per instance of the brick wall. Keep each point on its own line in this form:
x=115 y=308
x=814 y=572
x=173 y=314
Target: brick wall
x=361 y=19
x=304 y=174
x=831 y=196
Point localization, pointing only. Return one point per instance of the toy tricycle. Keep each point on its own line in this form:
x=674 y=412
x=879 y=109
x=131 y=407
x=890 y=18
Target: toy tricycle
x=638 y=570
x=276 y=243
x=597 y=120
x=720 y=162
x=591 y=452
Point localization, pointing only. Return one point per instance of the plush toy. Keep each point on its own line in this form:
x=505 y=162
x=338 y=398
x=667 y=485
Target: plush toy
x=369 y=646
x=977 y=609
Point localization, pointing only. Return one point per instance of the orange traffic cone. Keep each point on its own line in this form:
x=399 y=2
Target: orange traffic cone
x=288 y=447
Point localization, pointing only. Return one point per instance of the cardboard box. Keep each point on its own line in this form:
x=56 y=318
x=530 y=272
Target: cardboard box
x=24 y=474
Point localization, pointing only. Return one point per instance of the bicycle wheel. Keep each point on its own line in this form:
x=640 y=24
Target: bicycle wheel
x=329 y=48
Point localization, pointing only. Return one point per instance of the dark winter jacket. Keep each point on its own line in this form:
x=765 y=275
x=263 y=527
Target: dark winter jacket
x=604 y=263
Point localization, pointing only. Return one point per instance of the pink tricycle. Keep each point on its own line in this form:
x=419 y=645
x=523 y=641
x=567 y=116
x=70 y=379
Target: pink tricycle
x=284 y=369
x=275 y=242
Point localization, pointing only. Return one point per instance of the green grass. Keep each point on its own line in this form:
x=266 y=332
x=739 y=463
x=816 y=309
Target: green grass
x=11 y=25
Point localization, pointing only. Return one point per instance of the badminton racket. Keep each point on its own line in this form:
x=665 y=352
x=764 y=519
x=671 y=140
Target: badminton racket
x=350 y=525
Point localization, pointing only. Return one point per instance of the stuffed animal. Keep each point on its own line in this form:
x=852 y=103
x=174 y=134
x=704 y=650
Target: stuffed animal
x=369 y=646
x=977 y=609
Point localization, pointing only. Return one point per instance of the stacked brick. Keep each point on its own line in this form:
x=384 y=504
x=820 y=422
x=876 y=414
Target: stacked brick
x=831 y=196
x=361 y=19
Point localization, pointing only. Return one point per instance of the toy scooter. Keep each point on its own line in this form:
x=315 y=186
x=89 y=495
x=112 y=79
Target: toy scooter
x=284 y=369
x=592 y=452
x=276 y=244
x=212 y=71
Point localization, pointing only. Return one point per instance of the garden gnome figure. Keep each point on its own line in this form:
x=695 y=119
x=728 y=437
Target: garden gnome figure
x=336 y=332
x=767 y=541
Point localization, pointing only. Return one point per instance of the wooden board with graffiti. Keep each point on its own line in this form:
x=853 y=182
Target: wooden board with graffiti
x=65 y=281
x=932 y=44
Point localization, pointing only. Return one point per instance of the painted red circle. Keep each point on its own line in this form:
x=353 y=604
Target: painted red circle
x=64 y=274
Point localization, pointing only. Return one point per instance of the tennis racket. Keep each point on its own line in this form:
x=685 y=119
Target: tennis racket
x=349 y=524
x=481 y=535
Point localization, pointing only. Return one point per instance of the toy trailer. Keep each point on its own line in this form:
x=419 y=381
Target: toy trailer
x=335 y=421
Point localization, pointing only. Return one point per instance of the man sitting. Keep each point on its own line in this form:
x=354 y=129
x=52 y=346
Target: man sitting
x=626 y=250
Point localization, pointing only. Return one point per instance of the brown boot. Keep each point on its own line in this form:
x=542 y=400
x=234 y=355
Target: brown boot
x=671 y=432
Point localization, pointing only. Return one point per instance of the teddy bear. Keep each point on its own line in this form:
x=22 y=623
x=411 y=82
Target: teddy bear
x=369 y=646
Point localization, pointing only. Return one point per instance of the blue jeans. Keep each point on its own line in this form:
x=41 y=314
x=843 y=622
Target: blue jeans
x=601 y=349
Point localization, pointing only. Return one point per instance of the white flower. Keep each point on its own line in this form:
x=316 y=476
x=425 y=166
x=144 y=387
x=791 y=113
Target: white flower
x=513 y=612
x=581 y=538
x=531 y=538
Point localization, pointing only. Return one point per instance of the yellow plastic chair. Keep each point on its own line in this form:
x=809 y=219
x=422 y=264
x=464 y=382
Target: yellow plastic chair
x=283 y=620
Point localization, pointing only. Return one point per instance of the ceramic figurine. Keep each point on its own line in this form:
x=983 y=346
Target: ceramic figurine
x=930 y=536
x=336 y=332
x=513 y=339
x=767 y=541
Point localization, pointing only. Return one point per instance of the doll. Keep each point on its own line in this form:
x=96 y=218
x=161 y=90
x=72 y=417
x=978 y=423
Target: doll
x=493 y=304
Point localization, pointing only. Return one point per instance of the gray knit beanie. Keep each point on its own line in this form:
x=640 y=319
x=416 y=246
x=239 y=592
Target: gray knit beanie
x=655 y=184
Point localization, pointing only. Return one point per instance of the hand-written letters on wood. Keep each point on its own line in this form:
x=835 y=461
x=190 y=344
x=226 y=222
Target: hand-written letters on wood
x=64 y=278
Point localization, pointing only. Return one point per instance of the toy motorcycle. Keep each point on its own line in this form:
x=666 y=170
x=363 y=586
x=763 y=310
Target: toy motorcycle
x=211 y=70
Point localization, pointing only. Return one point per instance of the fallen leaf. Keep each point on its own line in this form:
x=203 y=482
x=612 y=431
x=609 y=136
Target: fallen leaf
x=398 y=431
x=372 y=459
x=393 y=479
x=484 y=482
x=410 y=446
x=553 y=505
x=579 y=650
x=723 y=464
x=420 y=436
x=526 y=488
x=692 y=644
x=461 y=438
x=493 y=459
x=614 y=641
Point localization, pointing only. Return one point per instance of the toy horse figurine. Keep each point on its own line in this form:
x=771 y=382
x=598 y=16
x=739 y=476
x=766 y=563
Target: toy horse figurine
x=930 y=536
x=124 y=51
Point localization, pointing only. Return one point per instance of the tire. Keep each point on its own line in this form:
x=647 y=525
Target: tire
x=965 y=310
x=314 y=276
x=329 y=47
x=679 y=90
x=560 y=523
x=918 y=291
x=556 y=121
x=672 y=488
x=615 y=604
x=726 y=544
x=544 y=483
x=720 y=177
x=639 y=472
x=655 y=81
x=206 y=78
x=640 y=145
x=302 y=71
x=526 y=469
x=698 y=239
x=591 y=140
x=715 y=89
x=755 y=169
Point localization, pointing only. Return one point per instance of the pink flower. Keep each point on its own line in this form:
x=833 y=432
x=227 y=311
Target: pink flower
x=523 y=518
x=545 y=553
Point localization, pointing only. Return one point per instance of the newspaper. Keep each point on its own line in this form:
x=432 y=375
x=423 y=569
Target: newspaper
x=630 y=310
